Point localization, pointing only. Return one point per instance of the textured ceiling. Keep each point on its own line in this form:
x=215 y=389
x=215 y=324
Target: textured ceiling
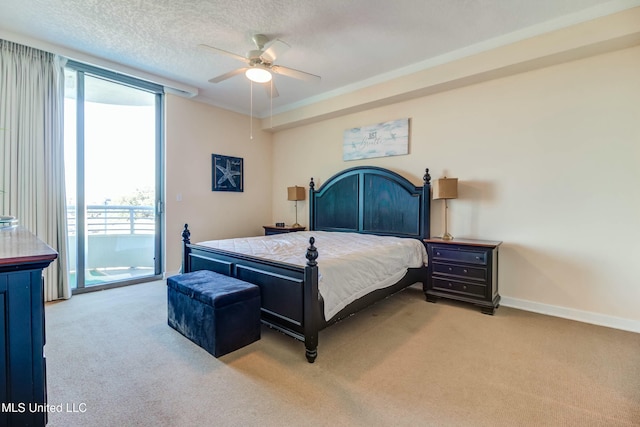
x=349 y=43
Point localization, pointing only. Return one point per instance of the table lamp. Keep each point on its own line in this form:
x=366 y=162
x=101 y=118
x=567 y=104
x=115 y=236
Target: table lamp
x=445 y=188
x=294 y=194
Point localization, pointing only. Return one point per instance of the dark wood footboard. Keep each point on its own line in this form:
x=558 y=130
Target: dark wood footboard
x=290 y=299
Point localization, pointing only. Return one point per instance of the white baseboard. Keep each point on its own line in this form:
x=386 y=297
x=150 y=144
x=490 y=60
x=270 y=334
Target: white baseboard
x=573 y=314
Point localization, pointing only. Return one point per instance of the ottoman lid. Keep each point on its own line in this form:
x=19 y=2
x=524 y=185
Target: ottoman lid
x=214 y=289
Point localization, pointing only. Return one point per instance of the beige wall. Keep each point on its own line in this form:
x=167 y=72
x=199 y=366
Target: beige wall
x=548 y=162
x=194 y=131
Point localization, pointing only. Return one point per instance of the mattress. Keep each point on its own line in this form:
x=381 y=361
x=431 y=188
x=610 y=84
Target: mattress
x=350 y=265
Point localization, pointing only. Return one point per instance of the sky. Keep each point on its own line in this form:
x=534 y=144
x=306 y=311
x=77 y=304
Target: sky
x=119 y=151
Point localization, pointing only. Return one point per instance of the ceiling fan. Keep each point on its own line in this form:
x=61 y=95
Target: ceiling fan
x=260 y=63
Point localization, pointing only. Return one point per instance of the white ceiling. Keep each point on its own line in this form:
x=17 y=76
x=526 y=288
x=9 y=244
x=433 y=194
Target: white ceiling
x=349 y=43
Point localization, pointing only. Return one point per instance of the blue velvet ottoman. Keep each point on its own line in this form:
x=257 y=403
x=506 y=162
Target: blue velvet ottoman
x=219 y=313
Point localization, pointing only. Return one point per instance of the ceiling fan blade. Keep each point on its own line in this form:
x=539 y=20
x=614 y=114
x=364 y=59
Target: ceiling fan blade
x=275 y=49
x=224 y=52
x=296 y=74
x=270 y=87
x=228 y=75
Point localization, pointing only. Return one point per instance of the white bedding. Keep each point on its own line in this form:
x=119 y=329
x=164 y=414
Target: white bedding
x=350 y=265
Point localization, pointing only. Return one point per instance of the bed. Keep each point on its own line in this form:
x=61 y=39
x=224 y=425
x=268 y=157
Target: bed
x=357 y=201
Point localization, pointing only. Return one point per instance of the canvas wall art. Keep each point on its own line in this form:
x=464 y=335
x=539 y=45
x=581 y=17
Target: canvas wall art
x=227 y=173
x=379 y=140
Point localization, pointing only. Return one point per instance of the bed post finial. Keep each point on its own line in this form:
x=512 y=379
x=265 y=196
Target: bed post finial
x=426 y=178
x=186 y=240
x=312 y=253
x=186 y=234
x=312 y=198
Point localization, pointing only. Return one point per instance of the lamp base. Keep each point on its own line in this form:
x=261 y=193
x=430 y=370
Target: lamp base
x=296 y=225
x=447 y=236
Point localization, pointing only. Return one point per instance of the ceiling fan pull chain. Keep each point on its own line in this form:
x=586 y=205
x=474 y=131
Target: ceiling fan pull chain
x=251 y=111
x=271 y=112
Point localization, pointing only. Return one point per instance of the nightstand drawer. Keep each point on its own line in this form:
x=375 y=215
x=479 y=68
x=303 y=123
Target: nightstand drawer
x=270 y=230
x=473 y=273
x=461 y=255
x=459 y=287
x=274 y=230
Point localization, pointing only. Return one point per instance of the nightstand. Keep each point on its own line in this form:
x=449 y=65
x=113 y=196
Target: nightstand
x=272 y=229
x=464 y=270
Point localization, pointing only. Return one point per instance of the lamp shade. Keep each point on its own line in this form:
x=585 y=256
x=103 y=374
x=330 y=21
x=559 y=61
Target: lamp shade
x=295 y=193
x=445 y=188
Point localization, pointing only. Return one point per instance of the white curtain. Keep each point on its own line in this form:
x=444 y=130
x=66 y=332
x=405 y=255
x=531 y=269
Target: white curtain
x=32 y=152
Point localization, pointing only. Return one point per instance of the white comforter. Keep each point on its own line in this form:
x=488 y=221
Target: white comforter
x=350 y=265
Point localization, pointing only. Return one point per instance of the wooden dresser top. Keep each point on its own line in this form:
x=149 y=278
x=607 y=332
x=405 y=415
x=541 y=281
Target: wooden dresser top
x=20 y=246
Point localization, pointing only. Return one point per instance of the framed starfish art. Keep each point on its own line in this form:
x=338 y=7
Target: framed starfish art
x=227 y=173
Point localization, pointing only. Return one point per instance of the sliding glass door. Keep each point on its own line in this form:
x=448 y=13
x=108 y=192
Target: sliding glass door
x=113 y=135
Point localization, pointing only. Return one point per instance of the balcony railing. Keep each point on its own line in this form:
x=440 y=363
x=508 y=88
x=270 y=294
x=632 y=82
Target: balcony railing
x=119 y=243
x=114 y=219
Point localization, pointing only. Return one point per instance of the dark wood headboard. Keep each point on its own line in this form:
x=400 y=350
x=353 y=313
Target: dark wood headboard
x=371 y=200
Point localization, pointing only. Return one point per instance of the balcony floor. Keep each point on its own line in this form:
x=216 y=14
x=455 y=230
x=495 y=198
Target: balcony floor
x=103 y=276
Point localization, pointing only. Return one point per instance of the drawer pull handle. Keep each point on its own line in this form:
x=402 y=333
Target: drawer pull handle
x=437 y=253
x=477 y=257
x=450 y=285
x=450 y=269
x=464 y=287
x=465 y=270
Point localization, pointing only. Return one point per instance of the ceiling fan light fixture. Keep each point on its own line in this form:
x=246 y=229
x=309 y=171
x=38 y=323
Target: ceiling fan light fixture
x=258 y=75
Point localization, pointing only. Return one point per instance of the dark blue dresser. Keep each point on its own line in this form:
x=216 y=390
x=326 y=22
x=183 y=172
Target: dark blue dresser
x=23 y=383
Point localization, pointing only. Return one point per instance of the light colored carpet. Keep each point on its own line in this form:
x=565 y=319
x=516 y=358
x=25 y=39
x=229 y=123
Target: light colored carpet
x=403 y=362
